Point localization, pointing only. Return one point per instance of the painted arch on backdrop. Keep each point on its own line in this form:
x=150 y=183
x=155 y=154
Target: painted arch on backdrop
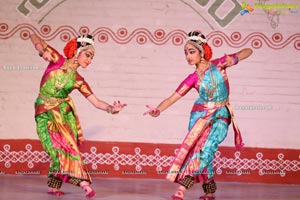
x=26 y=7
x=211 y=8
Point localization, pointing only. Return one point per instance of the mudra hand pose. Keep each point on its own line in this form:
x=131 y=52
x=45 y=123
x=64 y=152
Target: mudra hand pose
x=57 y=122
x=209 y=119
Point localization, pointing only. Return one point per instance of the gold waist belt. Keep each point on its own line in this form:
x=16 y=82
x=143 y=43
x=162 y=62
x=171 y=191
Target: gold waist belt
x=51 y=100
x=209 y=105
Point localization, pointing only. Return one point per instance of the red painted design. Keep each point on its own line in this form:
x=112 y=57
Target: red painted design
x=277 y=37
x=65 y=37
x=159 y=33
x=122 y=32
x=102 y=38
x=25 y=34
x=217 y=42
x=235 y=36
x=149 y=160
x=3 y=27
x=141 y=39
x=297 y=44
x=45 y=29
x=158 y=37
x=256 y=43
x=84 y=30
x=256 y=39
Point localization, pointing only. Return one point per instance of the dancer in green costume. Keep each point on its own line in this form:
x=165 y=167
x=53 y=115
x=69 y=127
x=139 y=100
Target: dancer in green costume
x=57 y=122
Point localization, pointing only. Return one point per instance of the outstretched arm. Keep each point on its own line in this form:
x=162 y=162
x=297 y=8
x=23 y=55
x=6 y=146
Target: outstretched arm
x=102 y=105
x=185 y=86
x=155 y=112
x=233 y=59
x=40 y=45
x=244 y=53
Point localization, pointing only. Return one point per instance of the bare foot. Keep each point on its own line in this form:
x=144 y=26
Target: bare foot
x=179 y=193
x=55 y=191
x=87 y=188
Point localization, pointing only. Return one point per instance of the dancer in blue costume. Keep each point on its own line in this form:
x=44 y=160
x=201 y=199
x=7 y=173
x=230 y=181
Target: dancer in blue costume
x=210 y=116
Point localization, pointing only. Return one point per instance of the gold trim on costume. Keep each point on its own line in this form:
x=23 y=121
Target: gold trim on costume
x=51 y=100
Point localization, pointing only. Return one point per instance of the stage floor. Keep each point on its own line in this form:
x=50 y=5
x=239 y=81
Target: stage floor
x=16 y=187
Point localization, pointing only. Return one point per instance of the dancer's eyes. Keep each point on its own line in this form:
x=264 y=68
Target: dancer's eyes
x=189 y=52
x=89 y=55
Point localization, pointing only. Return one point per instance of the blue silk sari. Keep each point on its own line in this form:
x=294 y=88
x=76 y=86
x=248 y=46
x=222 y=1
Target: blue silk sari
x=208 y=125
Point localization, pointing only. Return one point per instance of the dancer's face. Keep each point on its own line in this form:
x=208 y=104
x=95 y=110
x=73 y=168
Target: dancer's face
x=192 y=54
x=86 y=56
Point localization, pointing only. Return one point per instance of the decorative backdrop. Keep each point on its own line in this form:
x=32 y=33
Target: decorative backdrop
x=144 y=160
x=157 y=37
x=139 y=60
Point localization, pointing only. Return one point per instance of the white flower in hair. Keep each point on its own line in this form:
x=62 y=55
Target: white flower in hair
x=197 y=38
x=84 y=40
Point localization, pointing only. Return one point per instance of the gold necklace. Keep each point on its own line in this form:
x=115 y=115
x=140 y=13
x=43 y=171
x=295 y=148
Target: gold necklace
x=211 y=91
x=61 y=84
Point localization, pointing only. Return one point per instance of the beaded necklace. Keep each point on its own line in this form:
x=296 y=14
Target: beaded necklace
x=211 y=91
x=61 y=84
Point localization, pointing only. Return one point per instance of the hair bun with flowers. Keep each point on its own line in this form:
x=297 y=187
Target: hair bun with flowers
x=197 y=36
x=70 y=48
x=77 y=43
x=84 y=40
x=197 y=39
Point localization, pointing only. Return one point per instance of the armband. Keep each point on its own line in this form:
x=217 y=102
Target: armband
x=236 y=59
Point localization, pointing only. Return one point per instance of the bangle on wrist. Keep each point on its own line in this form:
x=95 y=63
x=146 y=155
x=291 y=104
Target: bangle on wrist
x=236 y=59
x=41 y=53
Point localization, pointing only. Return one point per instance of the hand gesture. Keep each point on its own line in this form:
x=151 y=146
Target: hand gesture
x=117 y=107
x=48 y=56
x=226 y=61
x=43 y=52
x=154 y=112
